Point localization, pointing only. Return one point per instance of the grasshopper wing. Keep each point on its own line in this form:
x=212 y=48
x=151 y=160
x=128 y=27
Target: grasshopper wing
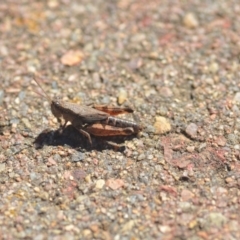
x=92 y=115
x=113 y=110
x=87 y=114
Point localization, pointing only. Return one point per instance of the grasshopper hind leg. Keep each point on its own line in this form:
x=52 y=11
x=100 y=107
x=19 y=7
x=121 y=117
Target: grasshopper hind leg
x=86 y=134
x=78 y=126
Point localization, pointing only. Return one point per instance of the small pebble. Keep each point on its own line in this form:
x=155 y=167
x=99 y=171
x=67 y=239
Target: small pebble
x=233 y=139
x=71 y=58
x=150 y=157
x=78 y=174
x=88 y=179
x=26 y=122
x=237 y=97
x=87 y=233
x=166 y=92
x=141 y=157
x=190 y=149
x=164 y=228
x=186 y=195
x=2 y=167
x=115 y=184
x=135 y=63
x=78 y=156
x=100 y=183
x=213 y=67
x=215 y=219
x=229 y=180
x=150 y=129
x=162 y=125
x=122 y=96
x=1 y=96
x=191 y=130
x=193 y=224
x=53 y=3
x=128 y=226
x=190 y=20
x=221 y=141
x=37 y=189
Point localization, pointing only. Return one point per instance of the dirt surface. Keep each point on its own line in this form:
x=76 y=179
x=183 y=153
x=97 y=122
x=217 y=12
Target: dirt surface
x=176 y=63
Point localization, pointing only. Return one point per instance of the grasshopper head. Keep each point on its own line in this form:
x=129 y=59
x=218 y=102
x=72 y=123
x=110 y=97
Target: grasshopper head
x=56 y=107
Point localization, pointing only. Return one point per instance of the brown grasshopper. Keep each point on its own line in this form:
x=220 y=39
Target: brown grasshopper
x=97 y=120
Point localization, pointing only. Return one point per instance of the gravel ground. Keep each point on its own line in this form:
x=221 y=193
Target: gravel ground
x=176 y=63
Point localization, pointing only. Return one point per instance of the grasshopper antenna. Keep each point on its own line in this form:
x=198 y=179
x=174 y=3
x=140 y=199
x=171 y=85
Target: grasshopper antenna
x=46 y=96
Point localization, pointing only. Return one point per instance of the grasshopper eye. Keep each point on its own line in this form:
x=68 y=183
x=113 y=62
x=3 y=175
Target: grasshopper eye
x=56 y=101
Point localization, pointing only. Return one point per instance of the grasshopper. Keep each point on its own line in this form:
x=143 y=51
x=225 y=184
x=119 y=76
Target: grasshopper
x=98 y=120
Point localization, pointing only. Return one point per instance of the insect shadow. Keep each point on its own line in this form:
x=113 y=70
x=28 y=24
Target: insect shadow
x=70 y=137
